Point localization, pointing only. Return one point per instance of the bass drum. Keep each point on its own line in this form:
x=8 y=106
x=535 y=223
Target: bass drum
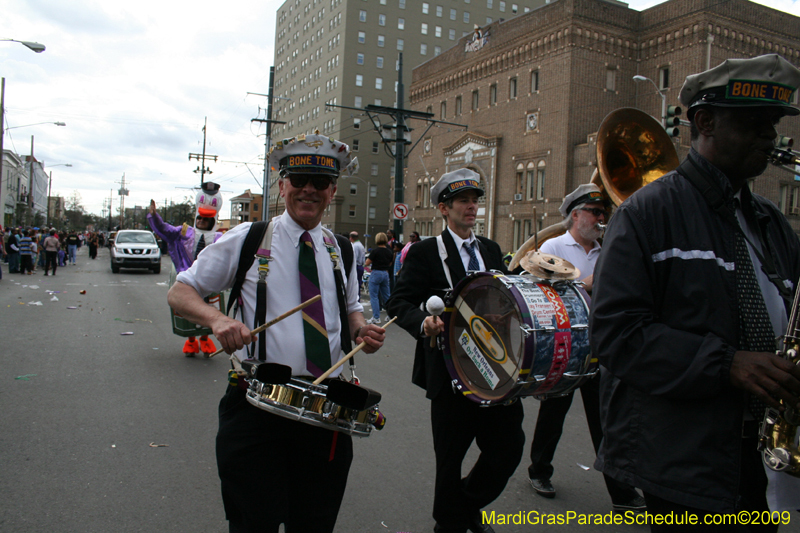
x=512 y=336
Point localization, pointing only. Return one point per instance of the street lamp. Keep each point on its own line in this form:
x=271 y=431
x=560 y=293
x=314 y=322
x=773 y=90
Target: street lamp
x=366 y=218
x=36 y=47
x=36 y=124
x=660 y=92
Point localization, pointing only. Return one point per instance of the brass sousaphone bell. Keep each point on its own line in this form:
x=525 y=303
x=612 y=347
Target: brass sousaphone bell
x=633 y=149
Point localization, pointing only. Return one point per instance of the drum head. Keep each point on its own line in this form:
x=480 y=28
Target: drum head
x=484 y=342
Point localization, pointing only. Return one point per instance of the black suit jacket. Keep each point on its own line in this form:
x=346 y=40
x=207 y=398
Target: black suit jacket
x=421 y=277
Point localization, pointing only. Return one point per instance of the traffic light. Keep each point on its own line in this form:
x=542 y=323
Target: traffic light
x=672 y=120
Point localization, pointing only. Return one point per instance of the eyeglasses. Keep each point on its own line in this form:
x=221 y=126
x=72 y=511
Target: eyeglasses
x=596 y=211
x=320 y=182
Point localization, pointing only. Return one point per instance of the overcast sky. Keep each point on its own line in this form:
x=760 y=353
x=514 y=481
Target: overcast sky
x=133 y=81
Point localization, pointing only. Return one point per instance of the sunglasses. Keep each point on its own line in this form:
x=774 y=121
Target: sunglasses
x=596 y=211
x=320 y=183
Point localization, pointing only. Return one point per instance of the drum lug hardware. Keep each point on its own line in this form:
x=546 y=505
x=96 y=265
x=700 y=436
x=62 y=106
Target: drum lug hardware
x=505 y=281
x=527 y=331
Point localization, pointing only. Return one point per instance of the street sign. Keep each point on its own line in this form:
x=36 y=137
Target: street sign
x=400 y=211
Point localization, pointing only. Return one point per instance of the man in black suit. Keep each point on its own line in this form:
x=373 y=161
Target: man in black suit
x=432 y=267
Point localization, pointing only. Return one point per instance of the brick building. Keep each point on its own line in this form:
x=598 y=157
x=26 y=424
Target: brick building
x=245 y=208
x=535 y=94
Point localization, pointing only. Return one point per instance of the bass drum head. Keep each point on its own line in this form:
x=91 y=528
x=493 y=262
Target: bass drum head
x=483 y=340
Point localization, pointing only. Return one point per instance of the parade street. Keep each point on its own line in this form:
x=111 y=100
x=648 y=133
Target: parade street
x=108 y=427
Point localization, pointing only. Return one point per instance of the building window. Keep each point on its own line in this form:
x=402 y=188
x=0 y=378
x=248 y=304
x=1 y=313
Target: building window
x=372 y=213
x=466 y=16
x=359 y=80
x=512 y=88
x=458 y=106
x=502 y=7
x=438 y=11
x=540 y=177
x=663 y=78
x=443 y=111
x=489 y=4
x=782 y=197
x=535 y=81
x=379 y=62
x=400 y=44
x=530 y=182
x=362 y=16
x=379 y=83
x=452 y=35
x=374 y=147
x=373 y=171
x=352 y=211
x=474 y=100
x=362 y=37
x=423 y=49
x=353 y=188
x=402 y=4
x=401 y=24
x=380 y=40
x=360 y=59
x=493 y=94
x=452 y=14
x=424 y=29
x=514 y=8
x=355 y=145
x=425 y=7
x=437 y=50
x=611 y=79
x=373 y=191
x=438 y=31
x=356 y=123
x=357 y=101
x=381 y=20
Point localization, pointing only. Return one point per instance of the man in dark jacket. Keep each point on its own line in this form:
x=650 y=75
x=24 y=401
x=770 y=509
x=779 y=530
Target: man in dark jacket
x=684 y=317
x=456 y=421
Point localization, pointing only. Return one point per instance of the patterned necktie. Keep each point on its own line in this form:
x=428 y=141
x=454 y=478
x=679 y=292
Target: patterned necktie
x=318 y=352
x=473 y=258
x=755 y=328
x=200 y=245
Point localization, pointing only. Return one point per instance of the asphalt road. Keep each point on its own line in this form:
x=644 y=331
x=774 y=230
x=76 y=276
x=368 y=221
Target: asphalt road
x=84 y=404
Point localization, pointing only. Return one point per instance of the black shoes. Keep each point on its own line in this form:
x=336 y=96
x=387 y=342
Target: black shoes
x=637 y=505
x=476 y=525
x=543 y=487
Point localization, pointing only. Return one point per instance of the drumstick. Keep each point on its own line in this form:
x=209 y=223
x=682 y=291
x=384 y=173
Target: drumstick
x=346 y=357
x=277 y=319
x=435 y=307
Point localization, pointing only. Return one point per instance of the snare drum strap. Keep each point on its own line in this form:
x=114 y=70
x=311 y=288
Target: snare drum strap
x=443 y=257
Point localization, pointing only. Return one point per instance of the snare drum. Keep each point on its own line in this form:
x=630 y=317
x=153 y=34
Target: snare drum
x=512 y=336
x=305 y=402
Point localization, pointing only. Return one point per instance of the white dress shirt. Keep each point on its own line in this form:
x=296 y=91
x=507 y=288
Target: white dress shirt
x=462 y=251
x=215 y=270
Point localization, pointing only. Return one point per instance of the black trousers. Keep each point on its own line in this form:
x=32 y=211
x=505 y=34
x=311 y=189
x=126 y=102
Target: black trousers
x=752 y=495
x=550 y=426
x=51 y=261
x=457 y=422
x=278 y=471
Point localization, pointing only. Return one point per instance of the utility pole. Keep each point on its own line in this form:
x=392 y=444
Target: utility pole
x=110 y=201
x=402 y=135
x=269 y=122
x=203 y=169
x=123 y=192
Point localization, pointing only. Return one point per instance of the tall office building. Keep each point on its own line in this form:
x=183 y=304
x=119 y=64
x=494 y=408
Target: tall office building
x=345 y=52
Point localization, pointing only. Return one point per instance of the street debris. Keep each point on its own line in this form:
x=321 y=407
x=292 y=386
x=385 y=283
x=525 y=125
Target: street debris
x=34 y=303
x=154 y=445
x=25 y=377
x=127 y=333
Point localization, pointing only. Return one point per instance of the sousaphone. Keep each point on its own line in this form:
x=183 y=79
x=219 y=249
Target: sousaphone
x=633 y=149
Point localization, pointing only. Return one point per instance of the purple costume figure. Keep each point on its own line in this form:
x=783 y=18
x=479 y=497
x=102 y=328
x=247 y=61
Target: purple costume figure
x=184 y=243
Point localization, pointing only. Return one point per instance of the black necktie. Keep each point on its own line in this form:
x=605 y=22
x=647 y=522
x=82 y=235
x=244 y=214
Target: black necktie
x=200 y=245
x=755 y=327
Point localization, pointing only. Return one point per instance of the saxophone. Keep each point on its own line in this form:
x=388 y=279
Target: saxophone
x=776 y=441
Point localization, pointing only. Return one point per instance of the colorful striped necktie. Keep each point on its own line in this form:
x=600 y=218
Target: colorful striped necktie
x=318 y=352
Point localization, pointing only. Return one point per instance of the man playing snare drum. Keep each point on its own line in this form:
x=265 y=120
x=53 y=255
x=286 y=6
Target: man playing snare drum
x=268 y=463
x=456 y=421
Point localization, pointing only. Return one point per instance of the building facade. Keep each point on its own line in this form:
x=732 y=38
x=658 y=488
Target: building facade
x=13 y=187
x=245 y=208
x=345 y=52
x=535 y=94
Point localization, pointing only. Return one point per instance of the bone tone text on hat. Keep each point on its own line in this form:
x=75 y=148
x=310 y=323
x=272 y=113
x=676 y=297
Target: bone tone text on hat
x=452 y=183
x=586 y=193
x=312 y=154
x=764 y=81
